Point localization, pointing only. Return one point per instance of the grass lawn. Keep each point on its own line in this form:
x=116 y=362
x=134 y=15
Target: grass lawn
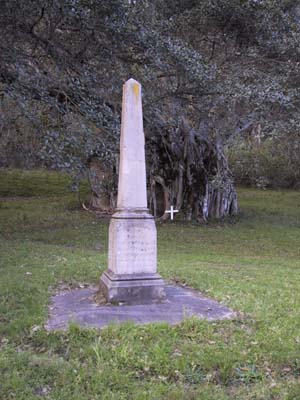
x=250 y=263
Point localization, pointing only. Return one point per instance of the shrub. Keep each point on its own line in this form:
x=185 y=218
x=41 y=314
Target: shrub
x=274 y=163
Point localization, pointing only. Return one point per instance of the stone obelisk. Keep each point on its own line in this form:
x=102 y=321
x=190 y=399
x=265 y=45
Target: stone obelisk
x=132 y=255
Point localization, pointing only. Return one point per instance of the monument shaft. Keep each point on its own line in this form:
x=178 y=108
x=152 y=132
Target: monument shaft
x=132 y=256
x=132 y=171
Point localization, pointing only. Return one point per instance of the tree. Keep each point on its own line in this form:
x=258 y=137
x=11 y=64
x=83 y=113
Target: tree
x=211 y=71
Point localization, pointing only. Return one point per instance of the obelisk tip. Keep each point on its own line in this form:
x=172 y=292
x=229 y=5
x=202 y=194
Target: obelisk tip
x=132 y=81
x=134 y=87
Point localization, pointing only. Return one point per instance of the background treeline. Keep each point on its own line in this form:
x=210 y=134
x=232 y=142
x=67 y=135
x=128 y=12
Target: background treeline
x=220 y=79
x=275 y=162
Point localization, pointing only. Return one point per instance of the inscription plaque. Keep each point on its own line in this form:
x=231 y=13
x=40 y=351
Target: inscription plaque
x=133 y=248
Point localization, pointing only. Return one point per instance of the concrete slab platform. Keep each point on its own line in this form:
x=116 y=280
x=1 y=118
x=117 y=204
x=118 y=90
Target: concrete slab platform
x=80 y=306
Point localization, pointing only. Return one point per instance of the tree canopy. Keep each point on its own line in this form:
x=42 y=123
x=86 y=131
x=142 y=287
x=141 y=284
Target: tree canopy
x=213 y=72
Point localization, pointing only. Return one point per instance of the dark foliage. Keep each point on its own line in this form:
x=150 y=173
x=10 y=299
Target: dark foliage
x=212 y=72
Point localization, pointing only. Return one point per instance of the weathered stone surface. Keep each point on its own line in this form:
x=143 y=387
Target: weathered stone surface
x=132 y=288
x=80 y=306
x=132 y=192
x=132 y=232
x=132 y=246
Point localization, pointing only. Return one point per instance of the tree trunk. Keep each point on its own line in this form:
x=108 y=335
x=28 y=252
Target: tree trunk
x=101 y=180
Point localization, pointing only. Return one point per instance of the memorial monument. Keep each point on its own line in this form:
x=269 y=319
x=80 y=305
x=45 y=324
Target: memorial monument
x=132 y=275
x=131 y=278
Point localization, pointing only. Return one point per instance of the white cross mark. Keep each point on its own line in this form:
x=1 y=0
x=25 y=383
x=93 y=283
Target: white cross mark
x=172 y=212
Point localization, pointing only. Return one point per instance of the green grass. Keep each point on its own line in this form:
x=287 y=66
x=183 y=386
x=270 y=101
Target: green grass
x=250 y=263
x=35 y=183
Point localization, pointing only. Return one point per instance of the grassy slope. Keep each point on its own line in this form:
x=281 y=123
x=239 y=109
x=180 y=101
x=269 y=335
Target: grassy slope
x=252 y=264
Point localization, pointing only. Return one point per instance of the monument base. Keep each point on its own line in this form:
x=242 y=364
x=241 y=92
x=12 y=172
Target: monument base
x=132 y=288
